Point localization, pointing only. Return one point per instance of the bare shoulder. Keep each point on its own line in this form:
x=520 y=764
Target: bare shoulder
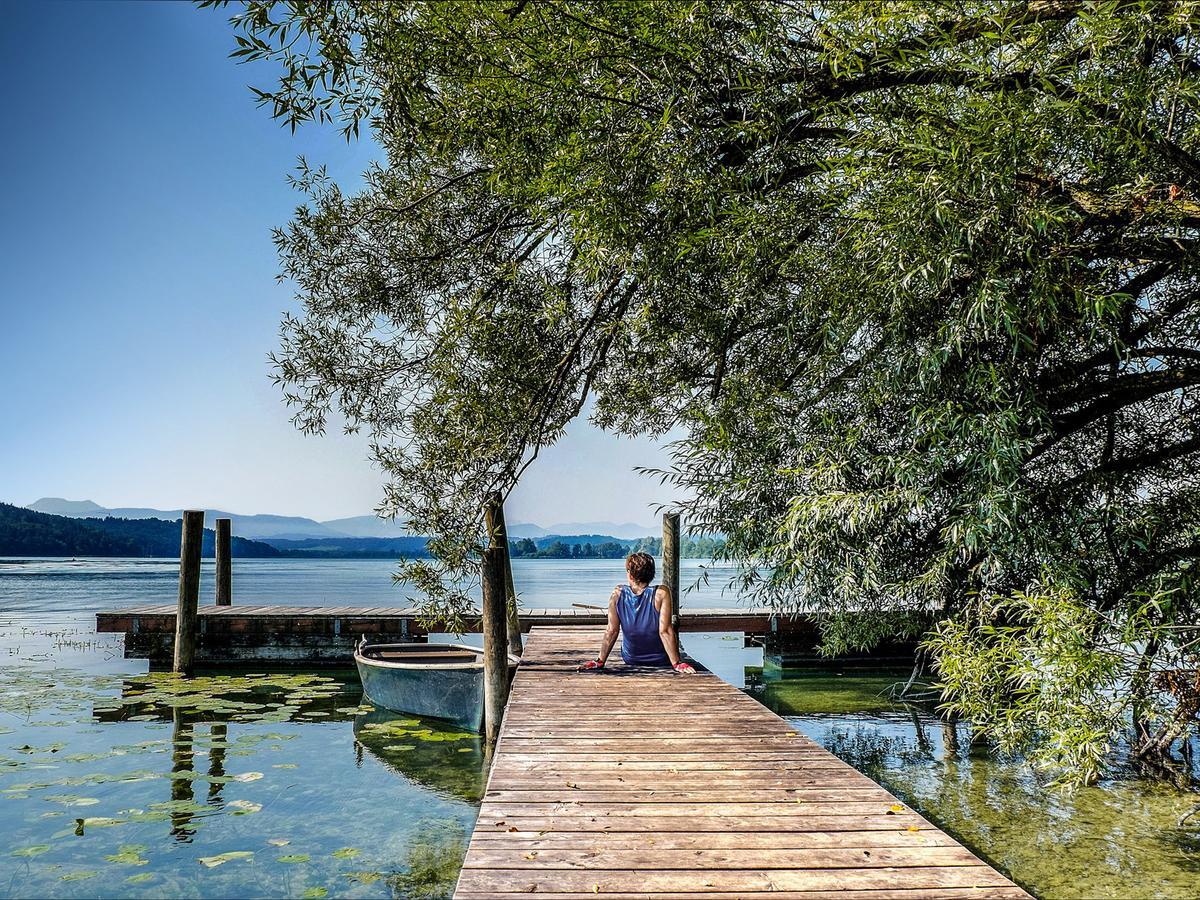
x=662 y=594
x=616 y=593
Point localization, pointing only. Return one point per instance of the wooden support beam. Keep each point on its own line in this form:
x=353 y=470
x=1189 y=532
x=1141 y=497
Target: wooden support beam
x=493 y=514
x=189 y=590
x=224 y=563
x=495 y=642
x=670 y=557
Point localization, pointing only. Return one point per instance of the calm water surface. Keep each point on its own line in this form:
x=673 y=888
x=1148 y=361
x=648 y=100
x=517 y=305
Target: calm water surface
x=1119 y=838
x=118 y=782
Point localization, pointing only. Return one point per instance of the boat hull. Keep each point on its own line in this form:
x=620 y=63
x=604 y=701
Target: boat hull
x=451 y=693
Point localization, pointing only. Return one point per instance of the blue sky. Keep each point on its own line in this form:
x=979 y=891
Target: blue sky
x=138 y=299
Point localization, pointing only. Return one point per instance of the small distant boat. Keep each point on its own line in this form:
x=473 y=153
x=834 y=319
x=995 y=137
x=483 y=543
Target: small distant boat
x=442 y=681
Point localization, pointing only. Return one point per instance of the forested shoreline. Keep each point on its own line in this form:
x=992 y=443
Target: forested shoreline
x=24 y=532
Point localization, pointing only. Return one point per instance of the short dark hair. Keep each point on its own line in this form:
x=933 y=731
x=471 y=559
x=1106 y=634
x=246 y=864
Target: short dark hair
x=640 y=566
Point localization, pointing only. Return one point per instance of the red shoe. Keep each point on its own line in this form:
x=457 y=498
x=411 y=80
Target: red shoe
x=592 y=665
x=684 y=668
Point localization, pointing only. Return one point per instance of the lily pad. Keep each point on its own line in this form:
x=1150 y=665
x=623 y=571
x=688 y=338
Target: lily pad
x=72 y=800
x=346 y=853
x=294 y=858
x=244 y=807
x=363 y=877
x=33 y=850
x=248 y=776
x=78 y=876
x=129 y=855
x=141 y=878
x=315 y=892
x=221 y=858
x=96 y=822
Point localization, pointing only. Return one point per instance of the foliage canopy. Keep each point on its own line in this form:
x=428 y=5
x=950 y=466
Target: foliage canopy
x=917 y=281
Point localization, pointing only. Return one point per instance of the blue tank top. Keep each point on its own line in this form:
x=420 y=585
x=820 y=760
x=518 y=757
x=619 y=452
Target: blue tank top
x=640 y=643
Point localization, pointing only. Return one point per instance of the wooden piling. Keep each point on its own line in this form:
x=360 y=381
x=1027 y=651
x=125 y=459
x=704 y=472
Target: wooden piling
x=493 y=514
x=224 y=563
x=670 y=557
x=189 y=590
x=495 y=642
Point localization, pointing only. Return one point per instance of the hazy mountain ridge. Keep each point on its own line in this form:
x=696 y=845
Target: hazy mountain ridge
x=95 y=531
x=267 y=527
x=27 y=532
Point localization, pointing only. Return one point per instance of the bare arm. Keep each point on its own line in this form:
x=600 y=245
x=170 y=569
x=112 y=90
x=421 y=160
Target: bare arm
x=666 y=628
x=613 y=629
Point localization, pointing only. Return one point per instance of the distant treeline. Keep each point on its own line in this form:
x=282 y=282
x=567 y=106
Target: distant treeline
x=703 y=547
x=24 y=532
x=352 y=548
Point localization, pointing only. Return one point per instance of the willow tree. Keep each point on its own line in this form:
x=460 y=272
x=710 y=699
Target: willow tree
x=917 y=282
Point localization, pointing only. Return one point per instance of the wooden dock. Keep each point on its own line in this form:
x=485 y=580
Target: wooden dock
x=325 y=635
x=648 y=784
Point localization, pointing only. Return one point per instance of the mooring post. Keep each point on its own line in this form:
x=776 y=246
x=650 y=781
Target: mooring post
x=495 y=642
x=189 y=590
x=670 y=555
x=224 y=563
x=493 y=514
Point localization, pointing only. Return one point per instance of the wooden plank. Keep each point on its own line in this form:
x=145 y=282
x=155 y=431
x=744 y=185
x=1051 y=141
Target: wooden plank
x=620 y=763
x=751 y=881
x=632 y=786
x=990 y=892
x=844 y=798
x=648 y=824
x=761 y=778
x=746 y=620
x=614 y=808
x=655 y=857
x=710 y=840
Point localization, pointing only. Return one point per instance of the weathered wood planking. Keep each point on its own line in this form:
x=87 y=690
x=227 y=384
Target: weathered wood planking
x=750 y=620
x=314 y=635
x=647 y=784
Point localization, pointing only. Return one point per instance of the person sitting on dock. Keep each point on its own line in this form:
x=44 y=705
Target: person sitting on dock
x=641 y=613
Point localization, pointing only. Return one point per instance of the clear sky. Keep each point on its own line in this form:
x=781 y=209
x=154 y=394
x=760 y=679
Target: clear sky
x=138 y=299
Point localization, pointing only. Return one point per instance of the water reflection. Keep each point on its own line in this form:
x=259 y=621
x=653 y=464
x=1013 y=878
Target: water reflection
x=247 y=785
x=436 y=756
x=182 y=758
x=1118 y=838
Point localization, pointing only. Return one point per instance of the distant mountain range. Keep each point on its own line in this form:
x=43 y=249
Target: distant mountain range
x=298 y=528
x=24 y=532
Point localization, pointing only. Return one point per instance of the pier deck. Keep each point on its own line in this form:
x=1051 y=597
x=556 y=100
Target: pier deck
x=325 y=635
x=648 y=784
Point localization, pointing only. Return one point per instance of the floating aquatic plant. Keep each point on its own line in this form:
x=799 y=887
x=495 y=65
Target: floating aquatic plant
x=228 y=856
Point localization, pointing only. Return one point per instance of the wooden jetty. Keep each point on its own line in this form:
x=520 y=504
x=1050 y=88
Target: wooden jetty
x=325 y=635
x=647 y=784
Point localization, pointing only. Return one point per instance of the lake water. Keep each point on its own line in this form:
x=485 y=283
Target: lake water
x=118 y=782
